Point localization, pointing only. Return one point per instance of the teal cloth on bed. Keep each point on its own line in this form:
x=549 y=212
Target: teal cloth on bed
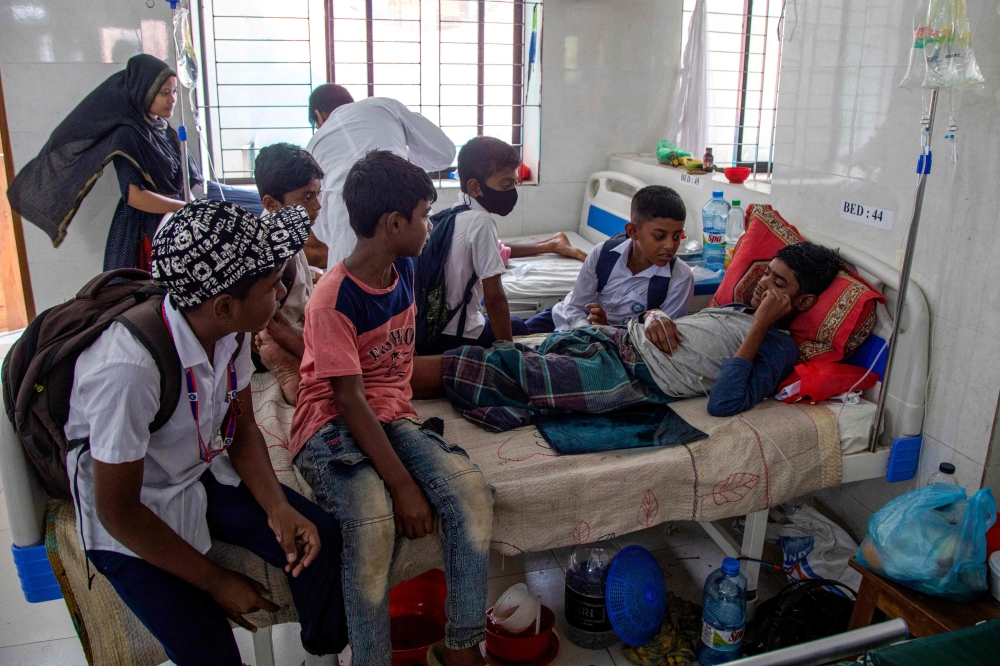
x=626 y=429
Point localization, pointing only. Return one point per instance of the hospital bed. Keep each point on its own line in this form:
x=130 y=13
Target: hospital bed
x=533 y=284
x=748 y=464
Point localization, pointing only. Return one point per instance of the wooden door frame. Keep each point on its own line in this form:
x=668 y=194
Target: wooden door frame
x=16 y=280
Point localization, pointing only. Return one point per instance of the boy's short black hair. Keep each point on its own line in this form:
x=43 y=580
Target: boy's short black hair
x=380 y=183
x=326 y=98
x=655 y=201
x=482 y=157
x=815 y=266
x=282 y=168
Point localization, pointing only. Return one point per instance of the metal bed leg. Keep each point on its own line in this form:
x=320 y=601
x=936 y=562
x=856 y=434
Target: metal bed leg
x=753 y=546
x=263 y=650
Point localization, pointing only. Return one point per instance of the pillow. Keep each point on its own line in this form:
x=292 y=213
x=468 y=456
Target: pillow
x=844 y=314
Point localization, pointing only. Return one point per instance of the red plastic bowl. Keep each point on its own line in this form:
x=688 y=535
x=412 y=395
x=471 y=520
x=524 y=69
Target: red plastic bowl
x=520 y=648
x=416 y=617
x=736 y=175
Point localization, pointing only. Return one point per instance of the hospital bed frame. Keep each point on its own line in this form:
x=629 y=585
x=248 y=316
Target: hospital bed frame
x=896 y=457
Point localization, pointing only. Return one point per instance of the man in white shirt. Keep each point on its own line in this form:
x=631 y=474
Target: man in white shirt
x=348 y=130
x=150 y=504
x=627 y=275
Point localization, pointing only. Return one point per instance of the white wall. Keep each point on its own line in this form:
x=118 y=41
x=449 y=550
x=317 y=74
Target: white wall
x=847 y=132
x=52 y=53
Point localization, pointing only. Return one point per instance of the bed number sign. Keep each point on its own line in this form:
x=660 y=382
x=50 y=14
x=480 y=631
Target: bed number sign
x=873 y=217
x=693 y=181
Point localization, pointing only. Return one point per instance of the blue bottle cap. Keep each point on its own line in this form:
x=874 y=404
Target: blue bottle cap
x=717 y=194
x=731 y=566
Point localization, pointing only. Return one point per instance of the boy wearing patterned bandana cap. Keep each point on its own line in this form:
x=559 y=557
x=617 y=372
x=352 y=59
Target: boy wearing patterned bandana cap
x=152 y=503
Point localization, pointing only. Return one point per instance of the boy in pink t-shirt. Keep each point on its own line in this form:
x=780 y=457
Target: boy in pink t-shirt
x=355 y=435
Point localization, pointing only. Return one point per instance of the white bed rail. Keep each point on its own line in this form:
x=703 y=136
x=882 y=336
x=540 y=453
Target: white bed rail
x=610 y=194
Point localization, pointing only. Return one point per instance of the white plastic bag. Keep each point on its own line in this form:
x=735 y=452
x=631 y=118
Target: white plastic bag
x=187 y=61
x=814 y=546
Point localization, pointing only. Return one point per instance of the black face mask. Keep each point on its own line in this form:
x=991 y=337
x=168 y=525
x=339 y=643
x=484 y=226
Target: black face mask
x=497 y=202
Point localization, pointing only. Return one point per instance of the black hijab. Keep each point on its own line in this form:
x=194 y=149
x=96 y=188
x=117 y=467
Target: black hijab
x=112 y=120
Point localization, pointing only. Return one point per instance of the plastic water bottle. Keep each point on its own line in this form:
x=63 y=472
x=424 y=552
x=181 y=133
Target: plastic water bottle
x=713 y=220
x=587 y=622
x=734 y=229
x=945 y=474
x=724 y=615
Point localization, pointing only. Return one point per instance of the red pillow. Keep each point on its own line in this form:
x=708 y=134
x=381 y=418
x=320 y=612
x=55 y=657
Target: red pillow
x=821 y=381
x=844 y=314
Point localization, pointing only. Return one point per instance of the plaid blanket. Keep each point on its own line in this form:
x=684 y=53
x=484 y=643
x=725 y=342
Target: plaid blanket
x=590 y=370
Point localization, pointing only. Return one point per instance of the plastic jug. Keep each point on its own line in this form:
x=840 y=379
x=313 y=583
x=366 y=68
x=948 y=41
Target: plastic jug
x=734 y=229
x=714 y=216
x=587 y=622
x=945 y=474
x=724 y=614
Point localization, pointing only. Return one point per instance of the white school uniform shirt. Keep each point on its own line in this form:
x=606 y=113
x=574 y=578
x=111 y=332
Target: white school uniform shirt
x=115 y=396
x=347 y=135
x=624 y=294
x=294 y=307
x=475 y=246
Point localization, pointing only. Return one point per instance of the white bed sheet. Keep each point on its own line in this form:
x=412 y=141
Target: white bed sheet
x=546 y=276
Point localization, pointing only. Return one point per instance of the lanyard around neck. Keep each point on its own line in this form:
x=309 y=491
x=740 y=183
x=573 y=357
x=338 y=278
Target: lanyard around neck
x=192 y=386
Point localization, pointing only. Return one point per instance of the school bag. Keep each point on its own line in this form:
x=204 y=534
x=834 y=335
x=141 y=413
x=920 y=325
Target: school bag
x=430 y=291
x=38 y=372
x=658 y=284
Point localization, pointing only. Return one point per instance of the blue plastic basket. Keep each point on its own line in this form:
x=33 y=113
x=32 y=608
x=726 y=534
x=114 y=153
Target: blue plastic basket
x=636 y=596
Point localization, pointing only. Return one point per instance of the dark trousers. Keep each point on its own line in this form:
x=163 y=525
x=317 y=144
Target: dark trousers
x=443 y=343
x=541 y=323
x=189 y=624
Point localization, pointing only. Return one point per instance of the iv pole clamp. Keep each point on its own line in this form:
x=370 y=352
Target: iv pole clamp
x=923 y=169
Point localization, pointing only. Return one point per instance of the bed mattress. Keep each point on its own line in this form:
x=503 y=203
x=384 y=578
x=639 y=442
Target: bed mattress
x=773 y=453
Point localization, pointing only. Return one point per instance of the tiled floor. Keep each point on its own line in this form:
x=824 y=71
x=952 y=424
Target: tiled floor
x=34 y=634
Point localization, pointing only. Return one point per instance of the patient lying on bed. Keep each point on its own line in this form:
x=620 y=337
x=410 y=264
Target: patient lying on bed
x=737 y=355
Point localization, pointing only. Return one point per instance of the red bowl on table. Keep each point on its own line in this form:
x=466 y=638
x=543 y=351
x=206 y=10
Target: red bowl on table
x=736 y=175
x=523 y=647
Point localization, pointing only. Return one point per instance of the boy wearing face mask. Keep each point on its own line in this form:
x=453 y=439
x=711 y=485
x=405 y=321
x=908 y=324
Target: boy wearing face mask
x=487 y=171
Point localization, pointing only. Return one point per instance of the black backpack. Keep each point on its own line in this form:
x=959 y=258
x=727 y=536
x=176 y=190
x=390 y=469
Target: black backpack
x=38 y=371
x=658 y=285
x=430 y=291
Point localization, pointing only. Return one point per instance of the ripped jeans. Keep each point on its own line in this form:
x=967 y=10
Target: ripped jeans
x=347 y=485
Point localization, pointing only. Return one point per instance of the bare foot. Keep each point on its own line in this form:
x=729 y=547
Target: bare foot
x=282 y=364
x=562 y=246
x=467 y=657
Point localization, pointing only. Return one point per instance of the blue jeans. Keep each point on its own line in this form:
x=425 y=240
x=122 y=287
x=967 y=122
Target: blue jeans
x=189 y=624
x=443 y=343
x=347 y=485
x=541 y=323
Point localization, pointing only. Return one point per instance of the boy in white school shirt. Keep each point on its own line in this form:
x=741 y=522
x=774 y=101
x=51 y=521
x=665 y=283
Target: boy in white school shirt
x=628 y=275
x=150 y=504
x=487 y=172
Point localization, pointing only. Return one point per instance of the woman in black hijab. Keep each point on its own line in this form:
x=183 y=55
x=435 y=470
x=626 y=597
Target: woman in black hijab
x=123 y=120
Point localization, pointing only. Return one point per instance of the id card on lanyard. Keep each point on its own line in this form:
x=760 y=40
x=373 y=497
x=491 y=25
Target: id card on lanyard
x=192 y=387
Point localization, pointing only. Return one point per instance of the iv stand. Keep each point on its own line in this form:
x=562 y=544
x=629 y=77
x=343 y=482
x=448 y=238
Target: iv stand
x=923 y=169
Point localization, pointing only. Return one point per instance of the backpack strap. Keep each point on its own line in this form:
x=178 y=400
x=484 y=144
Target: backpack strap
x=659 y=286
x=145 y=323
x=607 y=259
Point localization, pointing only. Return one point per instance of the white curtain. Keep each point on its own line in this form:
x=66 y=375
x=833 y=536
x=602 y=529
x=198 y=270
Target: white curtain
x=687 y=124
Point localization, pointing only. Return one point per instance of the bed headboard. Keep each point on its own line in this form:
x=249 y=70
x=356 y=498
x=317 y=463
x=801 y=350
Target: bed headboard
x=607 y=204
x=904 y=407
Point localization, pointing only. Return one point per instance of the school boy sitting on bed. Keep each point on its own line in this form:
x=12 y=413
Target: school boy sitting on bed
x=287 y=175
x=355 y=435
x=150 y=504
x=629 y=274
x=737 y=353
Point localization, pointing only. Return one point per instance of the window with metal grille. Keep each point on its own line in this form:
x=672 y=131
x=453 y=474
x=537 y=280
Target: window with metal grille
x=744 y=60
x=470 y=66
